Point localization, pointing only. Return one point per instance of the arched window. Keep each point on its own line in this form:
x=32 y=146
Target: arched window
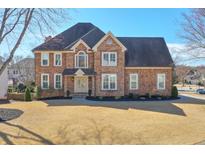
x=81 y=60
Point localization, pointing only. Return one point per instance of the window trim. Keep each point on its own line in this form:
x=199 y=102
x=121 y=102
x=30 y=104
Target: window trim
x=109 y=53
x=42 y=59
x=42 y=80
x=55 y=74
x=102 y=76
x=54 y=62
x=163 y=81
x=137 y=81
x=77 y=60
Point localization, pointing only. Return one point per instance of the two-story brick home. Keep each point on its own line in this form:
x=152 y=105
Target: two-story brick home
x=84 y=58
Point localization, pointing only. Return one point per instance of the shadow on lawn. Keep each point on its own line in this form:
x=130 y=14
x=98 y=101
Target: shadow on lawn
x=97 y=133
x=162 y=107
x=35 y=137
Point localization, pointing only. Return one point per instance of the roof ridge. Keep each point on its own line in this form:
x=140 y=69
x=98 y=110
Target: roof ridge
x=81 y=37
x=138 y=37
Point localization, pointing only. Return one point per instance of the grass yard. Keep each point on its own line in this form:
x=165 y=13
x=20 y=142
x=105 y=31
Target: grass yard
x=76 y=122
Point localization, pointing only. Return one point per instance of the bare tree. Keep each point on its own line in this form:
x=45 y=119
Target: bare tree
x=16 y=23
x=193 y=32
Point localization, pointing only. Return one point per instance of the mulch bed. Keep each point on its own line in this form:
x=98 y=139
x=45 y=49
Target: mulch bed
x=9 y=114
x=131 y=99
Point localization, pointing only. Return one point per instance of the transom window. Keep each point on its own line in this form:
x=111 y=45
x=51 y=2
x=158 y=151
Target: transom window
x=44 y=59
x=133 y=81
x=109 y=59
x=81 y=60
x=44 y=81
x=109 y=82
x=57 y=81
x=57 y=59
x=161 y=81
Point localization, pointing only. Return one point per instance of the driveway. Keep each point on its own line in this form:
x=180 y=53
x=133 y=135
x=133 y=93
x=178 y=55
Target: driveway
x=80 y=121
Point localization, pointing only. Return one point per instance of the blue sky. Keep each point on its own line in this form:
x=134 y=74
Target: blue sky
x=125 y=22
x=134 y=22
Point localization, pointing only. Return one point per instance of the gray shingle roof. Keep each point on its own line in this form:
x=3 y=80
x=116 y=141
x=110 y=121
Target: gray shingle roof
x=72 y=71
x=64 y=39
x=141 y=51
x=146 y=52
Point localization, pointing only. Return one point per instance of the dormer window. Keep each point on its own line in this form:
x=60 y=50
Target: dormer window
x=81 y=60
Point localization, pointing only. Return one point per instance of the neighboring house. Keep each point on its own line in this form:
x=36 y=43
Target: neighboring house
x=22 y=71
x=84 y=58
x=193 y=77
x=3 y=82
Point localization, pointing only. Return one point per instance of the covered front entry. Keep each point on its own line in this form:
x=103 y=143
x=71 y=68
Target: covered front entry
x=79 y=81
x=80 y=84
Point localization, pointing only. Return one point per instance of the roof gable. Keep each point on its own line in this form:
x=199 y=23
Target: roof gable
x=113 y=37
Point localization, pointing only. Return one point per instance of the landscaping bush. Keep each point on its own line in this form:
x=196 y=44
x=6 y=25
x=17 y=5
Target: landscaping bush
x=130 y=95
x=28 y=95
x=68 y=93
x=89 y=92
x=174 y=92
x=135 y=96
x=117 y=97
x=148 y=95
x=38 y=92
x=21 y=88
x=100 y=98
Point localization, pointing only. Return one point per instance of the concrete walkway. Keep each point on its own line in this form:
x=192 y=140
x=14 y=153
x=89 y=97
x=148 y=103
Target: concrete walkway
x=201 y=97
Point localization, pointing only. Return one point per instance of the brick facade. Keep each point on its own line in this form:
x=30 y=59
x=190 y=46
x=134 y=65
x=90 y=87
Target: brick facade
x=147 y=77
x=147 y=81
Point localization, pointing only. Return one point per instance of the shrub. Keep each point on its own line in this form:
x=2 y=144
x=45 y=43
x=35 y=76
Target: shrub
x=21 y=87
x=89 y=92
x=117 y=97
x=174 y=92
x=148 y=95
x=27 y=95
x=101 y=98
x=38 y=92
x=68 y=93
x=135 y=96
x=130 y=95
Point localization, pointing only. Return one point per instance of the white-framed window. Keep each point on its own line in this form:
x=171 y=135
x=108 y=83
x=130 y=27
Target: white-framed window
x=109 y=58
x=57 y=59
x=44 y=81
x=44 y=59
x=133 y=81
x=109 y=82
x=81 y=60
x=161 y=81
x=57 y=81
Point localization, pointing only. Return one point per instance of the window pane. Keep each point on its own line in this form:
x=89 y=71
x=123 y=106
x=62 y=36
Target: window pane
x=45 y=57
x=105 y=58
x=58 y=81
x=112 y=59
x=58 y=59
x=45 y=81
x=81 y=61
x=133 y=85
x=105 y=82
x=161 y=81
x=112 y=82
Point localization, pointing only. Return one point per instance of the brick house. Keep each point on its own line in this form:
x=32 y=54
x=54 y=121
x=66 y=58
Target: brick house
x=84 y=58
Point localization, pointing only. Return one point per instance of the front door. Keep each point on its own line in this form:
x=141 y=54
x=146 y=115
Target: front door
x=81 y=84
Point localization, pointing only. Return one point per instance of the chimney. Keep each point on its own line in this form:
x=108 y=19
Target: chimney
x=48 y=38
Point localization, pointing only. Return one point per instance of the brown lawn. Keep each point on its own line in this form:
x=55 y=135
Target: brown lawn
x=76 y=122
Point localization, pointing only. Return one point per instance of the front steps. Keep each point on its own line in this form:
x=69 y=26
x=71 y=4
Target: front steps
x=79 y=95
